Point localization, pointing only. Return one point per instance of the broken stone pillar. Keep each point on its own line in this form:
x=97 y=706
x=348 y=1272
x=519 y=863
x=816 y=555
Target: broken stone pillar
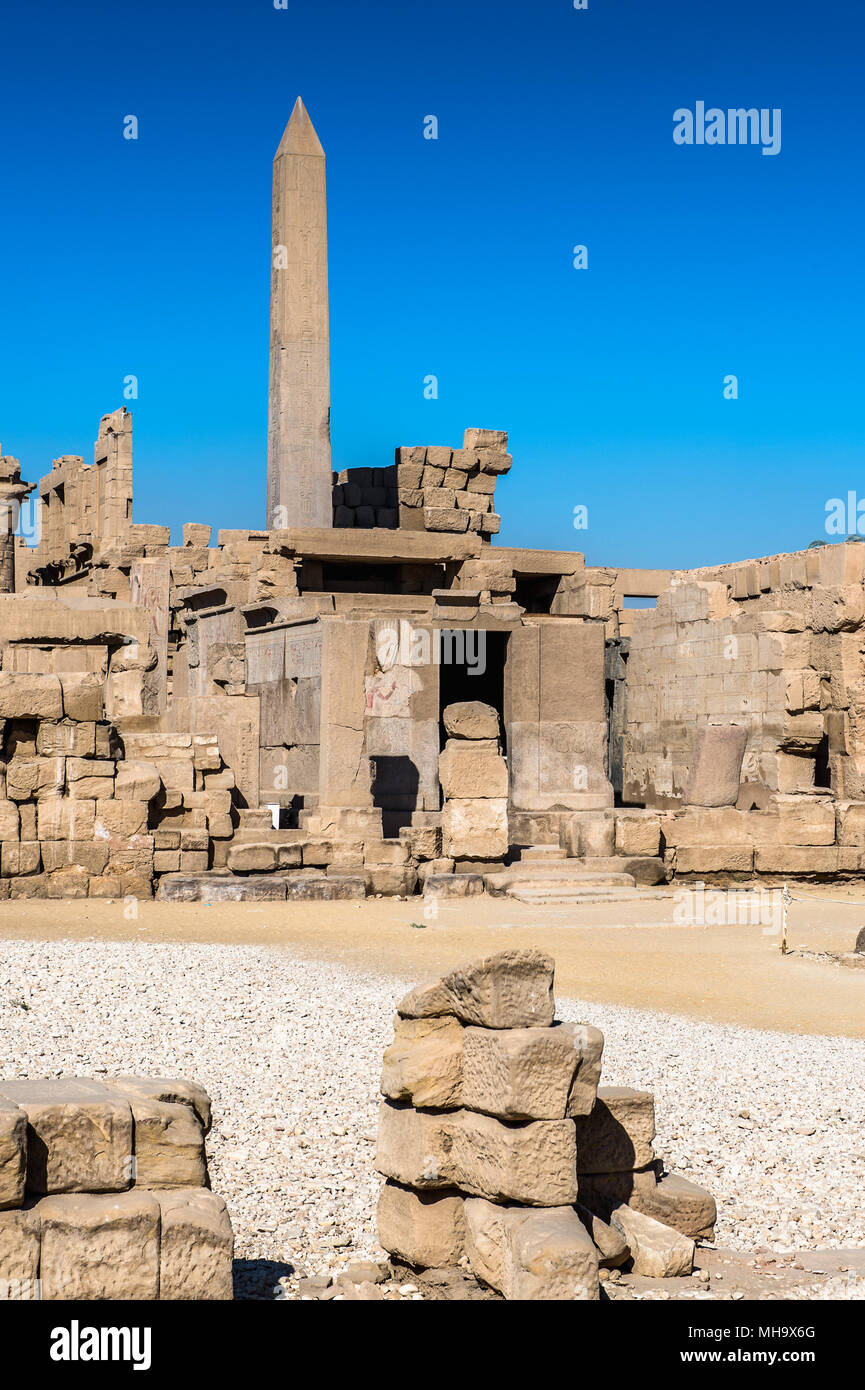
x=149 y=581
x=12 y=490
x=716 y=766
x=345 y=778
x=110 y=510
x=299 y=483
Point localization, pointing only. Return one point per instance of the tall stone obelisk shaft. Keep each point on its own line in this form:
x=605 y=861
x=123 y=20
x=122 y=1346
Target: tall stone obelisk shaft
x=299 y=489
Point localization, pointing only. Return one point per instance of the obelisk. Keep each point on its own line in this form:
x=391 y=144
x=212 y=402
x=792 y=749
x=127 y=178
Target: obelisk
x=299 y=489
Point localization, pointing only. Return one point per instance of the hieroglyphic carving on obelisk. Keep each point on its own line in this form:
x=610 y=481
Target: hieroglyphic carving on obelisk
x=298 y=443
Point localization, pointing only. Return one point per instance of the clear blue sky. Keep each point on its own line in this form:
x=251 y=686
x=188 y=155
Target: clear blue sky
x=451 y=257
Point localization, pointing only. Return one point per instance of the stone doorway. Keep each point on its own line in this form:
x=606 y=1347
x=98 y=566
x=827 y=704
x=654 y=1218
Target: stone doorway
x=471 y=667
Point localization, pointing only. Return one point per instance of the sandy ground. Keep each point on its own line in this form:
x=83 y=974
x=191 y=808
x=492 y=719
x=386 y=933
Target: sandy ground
x=631 y=954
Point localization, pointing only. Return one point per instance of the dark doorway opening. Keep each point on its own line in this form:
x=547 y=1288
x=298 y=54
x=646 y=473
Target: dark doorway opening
x=471 y=667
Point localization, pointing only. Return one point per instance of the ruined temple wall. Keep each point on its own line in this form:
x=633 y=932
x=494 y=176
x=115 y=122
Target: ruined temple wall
x=775 y=646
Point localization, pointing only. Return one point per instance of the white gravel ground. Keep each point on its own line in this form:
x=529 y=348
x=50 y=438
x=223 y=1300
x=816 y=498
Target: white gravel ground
x=290 y=1051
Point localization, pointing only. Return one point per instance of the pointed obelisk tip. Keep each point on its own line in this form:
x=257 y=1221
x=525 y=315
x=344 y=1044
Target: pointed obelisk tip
x=299 y=136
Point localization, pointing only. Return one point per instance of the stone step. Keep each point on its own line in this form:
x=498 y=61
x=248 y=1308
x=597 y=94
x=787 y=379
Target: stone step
x=247 y=834
x=541 y=853
x=644 y=869
x=569 y=874
x=546 y=895
x=277 y=887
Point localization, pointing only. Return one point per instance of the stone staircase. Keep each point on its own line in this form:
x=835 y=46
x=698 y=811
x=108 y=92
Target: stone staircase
x=544 y=876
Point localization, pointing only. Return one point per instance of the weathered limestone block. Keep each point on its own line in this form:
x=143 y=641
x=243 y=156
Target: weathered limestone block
x=177 y=773
x=252 y=857
x=82 y=695
x=805 y=820
x=849 y=815
x=584 y=1090
x=534 y=1164
x=797 y=859
x=90 y=779
x=79 y=1135
x=531 y=1255
x=131 y=853
x=638 y=833
x=172 y=1090
x=19 y=858
x=195 y=533
x=30 y=696
x=69 y=882
x=386 y=852
x=716 y=765
x=19 y=1255
x=656 y=1250
x=64 y=738
x=588 y=835
x=794 y=820
x=13 y=1155
x=9 y=821
x=612 y=1249
x=673 y=1200
x=196 y=1246
x=523 y=1073
x=481 y=482
x=440 y=497
x=137 y=781
x=440 y=881
x=125 y=695
x=714 y=859
x=424 y=1063
x=676 y=1202
x=392 y=880
x=475 y=828
x=413 y=1147
x=91 y=855
x=426 y=1229
x=34 y=777
x=104 y=1247
x=471 y=719
x=169 y=1145
x=120 y=818
x=467 y=771
x=331 y=889
x=617 y=1135
x=445 y=519
x=509 y=989
x=60 y=818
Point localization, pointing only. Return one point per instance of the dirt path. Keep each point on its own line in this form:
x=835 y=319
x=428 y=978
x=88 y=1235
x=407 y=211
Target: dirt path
x=630 y=953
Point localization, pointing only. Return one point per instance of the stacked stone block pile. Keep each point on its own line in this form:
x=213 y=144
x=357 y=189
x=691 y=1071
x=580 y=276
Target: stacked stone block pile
x=474 y=782
x=104 y=1192
x=429 y=488
x=499 y=1149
